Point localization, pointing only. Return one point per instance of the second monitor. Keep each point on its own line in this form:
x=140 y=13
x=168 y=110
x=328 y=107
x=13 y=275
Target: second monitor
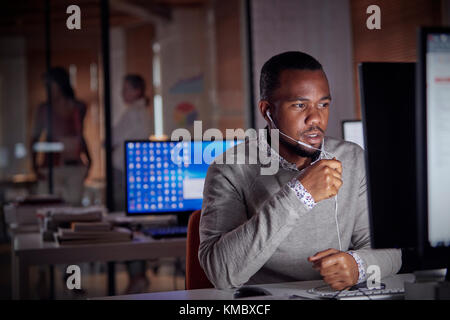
x=168 y=177
x=388 y=114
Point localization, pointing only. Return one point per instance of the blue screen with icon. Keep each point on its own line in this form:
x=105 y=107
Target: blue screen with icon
x=168 y=176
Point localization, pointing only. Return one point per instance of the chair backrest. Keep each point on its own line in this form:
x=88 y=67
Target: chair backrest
x=195 y=276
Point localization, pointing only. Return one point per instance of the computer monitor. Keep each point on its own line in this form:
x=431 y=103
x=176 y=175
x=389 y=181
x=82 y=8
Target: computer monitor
x=352 y=130
x=406 y=120
x=433 y=147
x=388 y=116
x=168 y=177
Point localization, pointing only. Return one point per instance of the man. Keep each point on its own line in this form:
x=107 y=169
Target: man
x=309 y=220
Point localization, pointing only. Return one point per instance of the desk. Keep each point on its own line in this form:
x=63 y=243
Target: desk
x=18 y=181
x=280 y=291
x=30 y=250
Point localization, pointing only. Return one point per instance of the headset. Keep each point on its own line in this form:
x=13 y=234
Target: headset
x=327 y=154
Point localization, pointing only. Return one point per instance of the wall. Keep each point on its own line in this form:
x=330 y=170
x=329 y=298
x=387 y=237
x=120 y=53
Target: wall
x=186 y=68
x=396 y=40
x=117 y=71
x=139 y=56
x=13 y=102
x=229 y=66
x=319 y=28
x=446 y=13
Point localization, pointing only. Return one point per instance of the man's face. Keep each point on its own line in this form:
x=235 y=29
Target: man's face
x=300 y=108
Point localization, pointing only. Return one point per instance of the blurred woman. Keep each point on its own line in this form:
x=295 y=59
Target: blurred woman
x=71 y=164
x=135 y=123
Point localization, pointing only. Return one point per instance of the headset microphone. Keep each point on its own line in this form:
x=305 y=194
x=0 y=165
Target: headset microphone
x=297 y=141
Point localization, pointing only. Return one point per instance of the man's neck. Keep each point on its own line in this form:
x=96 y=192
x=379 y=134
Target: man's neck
x=291 y=157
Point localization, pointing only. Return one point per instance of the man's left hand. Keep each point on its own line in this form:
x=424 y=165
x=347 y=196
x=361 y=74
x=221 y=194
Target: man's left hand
x=338 y=269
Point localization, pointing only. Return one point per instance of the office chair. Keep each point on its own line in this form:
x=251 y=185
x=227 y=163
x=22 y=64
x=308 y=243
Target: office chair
x=195 y=276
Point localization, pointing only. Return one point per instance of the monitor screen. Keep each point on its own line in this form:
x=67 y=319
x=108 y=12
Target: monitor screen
x=353 y=131
x=438 y=136
x=168 y=177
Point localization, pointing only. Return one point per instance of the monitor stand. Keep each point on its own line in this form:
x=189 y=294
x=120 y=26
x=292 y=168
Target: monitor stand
x=429 y=285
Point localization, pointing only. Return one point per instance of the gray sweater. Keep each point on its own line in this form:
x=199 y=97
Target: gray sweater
x=254 y=229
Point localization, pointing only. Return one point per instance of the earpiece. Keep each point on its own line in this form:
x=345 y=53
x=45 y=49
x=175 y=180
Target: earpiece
x=268 y=115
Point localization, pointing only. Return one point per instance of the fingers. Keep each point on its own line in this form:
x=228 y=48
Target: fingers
x=333 y=164
x=322 y=254
x=330 y=271
x=328 y=261
x=335 y=174
x=336 y=277
x=323 y=179
x=337 y=183
x=339 y=285
x=331 y=279
x=338 y=269
x=330 y=172
x=333 y=186
x=333 y=180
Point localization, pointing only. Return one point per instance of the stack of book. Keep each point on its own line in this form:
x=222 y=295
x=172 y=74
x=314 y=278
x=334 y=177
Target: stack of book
x=22 y=211
x=75 y=225
x=92 y=232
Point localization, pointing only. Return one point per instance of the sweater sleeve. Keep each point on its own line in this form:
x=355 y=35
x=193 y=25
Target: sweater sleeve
x=388 y=260
x=233 y=247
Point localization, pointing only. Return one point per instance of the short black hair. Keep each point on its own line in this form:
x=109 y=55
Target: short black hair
x=271 y=70
x=136 y=81
x=61 y=77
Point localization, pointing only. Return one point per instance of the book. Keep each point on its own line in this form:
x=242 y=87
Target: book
x=90 y=241
x=73 y=214
x=41 y=199
x=69 y=236
x=91 y=226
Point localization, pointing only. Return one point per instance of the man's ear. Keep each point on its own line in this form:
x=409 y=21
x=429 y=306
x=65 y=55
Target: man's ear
x=264 y=106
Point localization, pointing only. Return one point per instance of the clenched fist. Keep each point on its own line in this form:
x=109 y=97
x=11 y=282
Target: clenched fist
x=322 y=179
x=338 y=269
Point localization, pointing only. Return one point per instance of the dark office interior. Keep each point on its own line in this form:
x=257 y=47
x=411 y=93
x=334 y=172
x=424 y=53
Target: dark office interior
x=71 y=71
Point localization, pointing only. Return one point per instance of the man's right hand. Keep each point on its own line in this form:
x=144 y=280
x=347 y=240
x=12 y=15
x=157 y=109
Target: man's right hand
x=323 y=179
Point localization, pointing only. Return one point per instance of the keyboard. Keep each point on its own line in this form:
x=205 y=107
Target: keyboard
x=360 y=294
x=166 y=232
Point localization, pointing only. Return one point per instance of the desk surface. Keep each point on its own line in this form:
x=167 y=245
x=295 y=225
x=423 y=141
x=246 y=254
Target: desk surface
x=34 y=250
x=280 y=291
x=30 y=248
